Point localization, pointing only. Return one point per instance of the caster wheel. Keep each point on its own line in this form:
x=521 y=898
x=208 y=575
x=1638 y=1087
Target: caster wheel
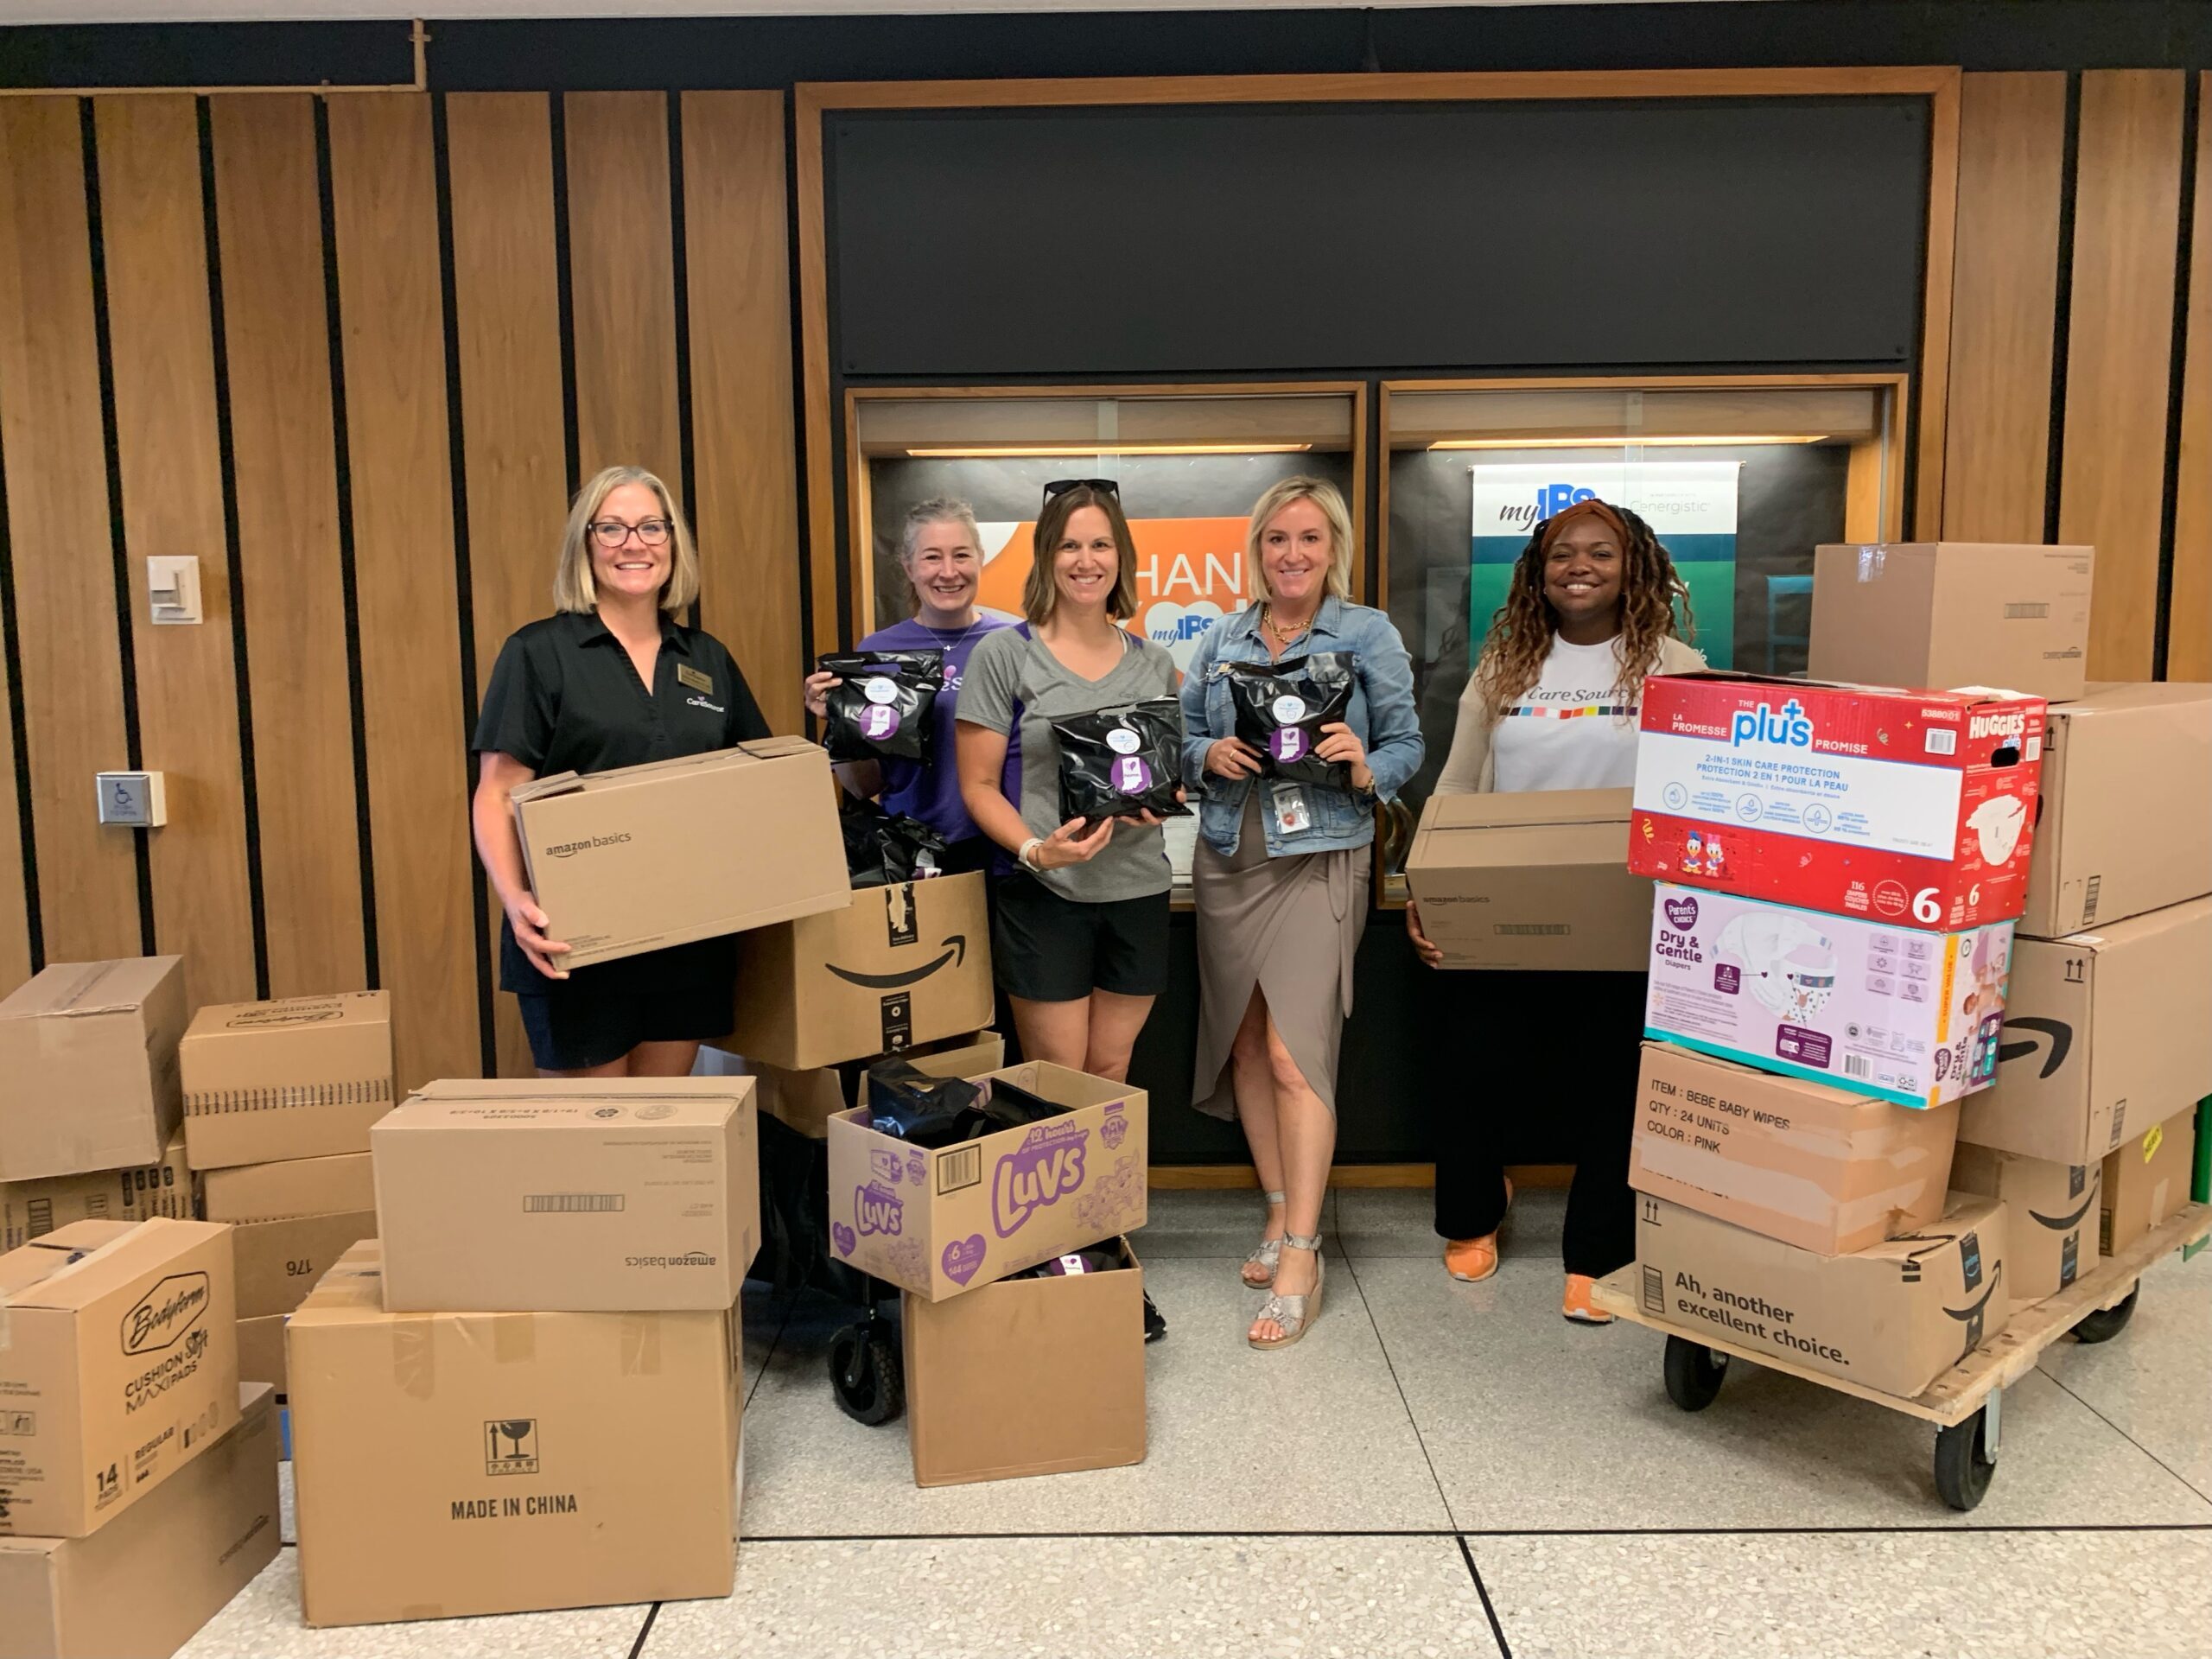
x=1694 y=1373
x=1962 y=1468
x=2108 y=1322
x=867 y=1374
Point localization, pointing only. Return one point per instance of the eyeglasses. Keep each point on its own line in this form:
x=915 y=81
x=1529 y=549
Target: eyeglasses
x=612 y=533
x=1062 y=486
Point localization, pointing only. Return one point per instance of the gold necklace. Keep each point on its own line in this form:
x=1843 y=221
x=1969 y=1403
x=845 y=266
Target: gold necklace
x=1274 y=632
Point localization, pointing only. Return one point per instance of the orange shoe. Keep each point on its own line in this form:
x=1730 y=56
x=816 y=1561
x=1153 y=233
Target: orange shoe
x=1471 y=1261
x=1577 y=1305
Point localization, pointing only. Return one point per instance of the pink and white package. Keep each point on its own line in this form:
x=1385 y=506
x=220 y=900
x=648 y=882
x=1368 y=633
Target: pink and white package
x=1901 y=1014
x=1913 y=807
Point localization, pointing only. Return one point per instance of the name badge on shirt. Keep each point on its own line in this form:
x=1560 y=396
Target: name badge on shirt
x=687 y=675
x=1291 y=816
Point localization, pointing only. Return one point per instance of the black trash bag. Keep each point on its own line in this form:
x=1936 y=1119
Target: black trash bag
x=1281 y=708
x=931 y=1112
x=1119 y=762
x=885 y=849
x=883 y=707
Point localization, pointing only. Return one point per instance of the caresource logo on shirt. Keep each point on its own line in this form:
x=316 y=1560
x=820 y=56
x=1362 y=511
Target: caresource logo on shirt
x=570 y=848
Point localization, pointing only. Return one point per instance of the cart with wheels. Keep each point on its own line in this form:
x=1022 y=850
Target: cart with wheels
x=1966 y=1402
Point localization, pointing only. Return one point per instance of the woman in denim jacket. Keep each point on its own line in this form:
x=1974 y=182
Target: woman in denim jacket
x=1281 y=871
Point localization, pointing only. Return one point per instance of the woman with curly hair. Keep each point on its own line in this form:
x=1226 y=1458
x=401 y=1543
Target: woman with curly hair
x=1553 y=704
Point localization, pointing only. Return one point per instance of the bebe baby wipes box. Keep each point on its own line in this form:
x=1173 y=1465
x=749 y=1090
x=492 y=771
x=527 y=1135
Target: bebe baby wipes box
x=1913 y=807
x=1898 y=1012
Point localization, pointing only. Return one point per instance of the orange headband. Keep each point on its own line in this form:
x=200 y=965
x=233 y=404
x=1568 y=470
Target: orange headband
x=1590 y=509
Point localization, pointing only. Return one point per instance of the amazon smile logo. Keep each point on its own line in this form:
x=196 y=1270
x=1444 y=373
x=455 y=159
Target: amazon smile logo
x=2059 y=1035
x=955 y=951
x=2067 y=1223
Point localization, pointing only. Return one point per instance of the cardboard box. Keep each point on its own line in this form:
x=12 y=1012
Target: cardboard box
x=1952 y=613
x=90 y=1052
x=1028 y=1376
x=2123 y=831
x=1912 y=807
x=261 y=1351
x=1532 y=880
x=2106 y=1034
x=303 y=1077
x=142 y=1588
x=279 y=1262
x=120 y=1367
x=806 y=1100
x=30 y=1210
x=937 y=1222
x=508 y=1462
x=2146 y=1181
x=1910 y=1016
x=569 y=1195
x=1893 y=1317
x=643 y=857
x=2051 y=1210
x=895 y=967
x=293 y=1187
x=1809 y=1164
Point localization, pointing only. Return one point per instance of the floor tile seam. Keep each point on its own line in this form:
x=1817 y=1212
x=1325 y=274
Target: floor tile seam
x=1959 y=1528
x=1441 y=1533
x=2071 y=1393
x=1482 y=1591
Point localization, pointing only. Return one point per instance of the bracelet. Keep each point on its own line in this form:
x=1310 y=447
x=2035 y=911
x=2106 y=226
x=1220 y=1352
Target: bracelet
x=1027 y=857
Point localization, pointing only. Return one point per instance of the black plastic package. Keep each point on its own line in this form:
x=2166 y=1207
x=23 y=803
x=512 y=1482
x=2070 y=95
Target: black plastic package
x=884 y=850
x=1104 y=1257
x=1119 y=762
x=1281 y=708
x=925 y=1111
x=883 y=707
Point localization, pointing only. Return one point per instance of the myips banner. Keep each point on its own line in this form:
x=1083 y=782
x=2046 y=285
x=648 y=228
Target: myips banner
x=1190 y=575
x=1690 y=506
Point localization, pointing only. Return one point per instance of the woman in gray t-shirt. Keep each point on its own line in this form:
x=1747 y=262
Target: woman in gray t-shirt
x=1079 y=937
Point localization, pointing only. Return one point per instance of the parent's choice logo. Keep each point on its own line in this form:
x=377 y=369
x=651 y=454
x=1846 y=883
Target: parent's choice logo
x=1682 y=913
x=165 y=1312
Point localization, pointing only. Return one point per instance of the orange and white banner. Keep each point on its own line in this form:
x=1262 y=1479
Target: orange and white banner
x=1190 y=575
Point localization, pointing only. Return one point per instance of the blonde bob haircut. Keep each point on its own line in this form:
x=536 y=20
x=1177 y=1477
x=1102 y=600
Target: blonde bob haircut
x=573 y=586
x=1040 y=593
x=1323 y=495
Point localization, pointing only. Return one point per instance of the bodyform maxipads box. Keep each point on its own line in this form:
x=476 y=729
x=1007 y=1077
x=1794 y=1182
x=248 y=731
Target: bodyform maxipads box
x=643 y=857
x=1912 y=807
x=1529 y=880
x=30 y=1210
x=1803 y=1162
x=89 y=1050
x=569 y=1194
x=1910 y=1016
x=453 y=1464
x=1893 y=1317
x=120 y=1366
x=301 y=1078
x=2051 y=1210
x=937 y=1221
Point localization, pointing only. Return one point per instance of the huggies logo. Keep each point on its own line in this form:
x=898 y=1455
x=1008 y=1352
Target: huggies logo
x=879 y=1210
x=1045 y=1169
x=1763 y=725
x=566 y=848
x=2012 y=725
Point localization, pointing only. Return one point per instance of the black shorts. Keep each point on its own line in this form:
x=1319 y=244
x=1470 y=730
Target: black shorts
x=685 y=994
x=1048 y=949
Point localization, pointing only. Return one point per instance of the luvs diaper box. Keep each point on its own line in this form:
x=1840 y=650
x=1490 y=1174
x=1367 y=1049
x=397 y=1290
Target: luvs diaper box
x=1899 y=1012
x=1912 y=807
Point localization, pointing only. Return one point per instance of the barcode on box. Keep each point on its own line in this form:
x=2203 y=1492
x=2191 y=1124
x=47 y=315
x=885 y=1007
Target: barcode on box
x=1942 y=741
x=2023 y=610
x=39 y=1221
x=1857 y=1065
x=962 y=1167
x=571 y=1203
x=2089 y=900
x=1529 y=930
x=1654 y=1291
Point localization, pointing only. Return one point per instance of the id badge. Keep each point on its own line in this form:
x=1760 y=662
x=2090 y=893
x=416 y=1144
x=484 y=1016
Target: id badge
x=1291 y=816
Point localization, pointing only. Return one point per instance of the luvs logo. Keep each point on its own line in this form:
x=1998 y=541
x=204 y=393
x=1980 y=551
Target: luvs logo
x=1788 y=726
x=1044 y=1169
x=165 y=1312
x=879 y=1210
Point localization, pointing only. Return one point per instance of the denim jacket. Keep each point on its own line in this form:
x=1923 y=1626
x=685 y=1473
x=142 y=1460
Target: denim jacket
x=1381 y=716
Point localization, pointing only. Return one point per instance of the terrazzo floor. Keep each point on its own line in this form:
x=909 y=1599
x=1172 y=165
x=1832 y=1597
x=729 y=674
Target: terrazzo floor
x=1437 y=1469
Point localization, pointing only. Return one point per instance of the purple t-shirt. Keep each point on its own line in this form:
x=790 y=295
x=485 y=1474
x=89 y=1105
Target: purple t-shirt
x=931 y=793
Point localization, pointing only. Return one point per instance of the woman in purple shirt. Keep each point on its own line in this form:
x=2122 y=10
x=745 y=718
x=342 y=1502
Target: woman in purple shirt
x=942 y=553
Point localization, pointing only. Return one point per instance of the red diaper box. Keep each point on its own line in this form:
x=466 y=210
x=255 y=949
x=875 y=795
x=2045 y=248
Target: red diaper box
x=1915 y=807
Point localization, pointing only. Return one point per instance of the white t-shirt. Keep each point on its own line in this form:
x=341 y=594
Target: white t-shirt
x=1573 y=729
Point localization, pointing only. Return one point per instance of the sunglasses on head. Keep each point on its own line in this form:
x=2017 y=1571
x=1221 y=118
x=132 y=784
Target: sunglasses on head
x=1062 y=486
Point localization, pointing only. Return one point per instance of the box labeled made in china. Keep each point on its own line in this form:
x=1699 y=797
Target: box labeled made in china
x=1912 y=807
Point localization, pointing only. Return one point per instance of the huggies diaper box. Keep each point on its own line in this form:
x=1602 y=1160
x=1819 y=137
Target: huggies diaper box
x=1899 y=1013
x=1913 y=807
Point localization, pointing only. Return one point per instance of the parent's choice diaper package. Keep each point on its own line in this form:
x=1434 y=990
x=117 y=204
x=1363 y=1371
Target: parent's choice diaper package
x=1902 y=1013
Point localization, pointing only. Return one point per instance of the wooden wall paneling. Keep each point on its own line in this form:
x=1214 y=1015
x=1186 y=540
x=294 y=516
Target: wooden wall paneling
x=824 y=627
x=277 y=344
x=384 y=192
x=508 y=317
x=15 y=902
x=738 y=263
x=2011 y=153
x=162 y=340
x=2120 y=364
x=622 y=283
x=2188 y=640
x=1934 y=379
x=60 y=533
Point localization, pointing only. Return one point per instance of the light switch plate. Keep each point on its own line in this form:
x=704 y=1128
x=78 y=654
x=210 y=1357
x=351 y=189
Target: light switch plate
x=135 y=799
x=173 y=589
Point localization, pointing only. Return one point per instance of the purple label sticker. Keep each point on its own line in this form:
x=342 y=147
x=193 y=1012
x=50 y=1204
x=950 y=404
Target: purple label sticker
x=1044 y=1169
x=842 y=1238
x=1682 y=913
x=1131 y=775
x=1727 y=977
x=1806 y=1047
x=962 y=1258
x=1286 y=743
x=1114 y=1129
x=879 y=1210
x=878 y=722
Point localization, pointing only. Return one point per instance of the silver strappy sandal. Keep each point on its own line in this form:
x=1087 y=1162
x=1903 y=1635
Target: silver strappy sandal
x=1268 y=1255
x=1295 y=1314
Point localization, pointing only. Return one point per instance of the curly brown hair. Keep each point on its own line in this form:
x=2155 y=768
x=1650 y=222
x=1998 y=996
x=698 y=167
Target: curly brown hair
x=1521 y=631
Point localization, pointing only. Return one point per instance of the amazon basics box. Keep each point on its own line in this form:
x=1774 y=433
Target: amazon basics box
x=569 y=1194
x=1893 y=1317
x=303 y=1077
x=142 y=1588
x=935 y=1222
x=30 y=1210
x=89 y=1050
x=2146 y=1180
x=1531 y=881
x=453 y=1464
x=120 y=1367
x=894 y=967
x=294 y=1186
x=644 y=857
x=2051 y=1210
x=1801 y=1162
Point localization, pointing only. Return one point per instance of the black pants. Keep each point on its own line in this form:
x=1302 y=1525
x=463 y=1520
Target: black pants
x=1567 y=1050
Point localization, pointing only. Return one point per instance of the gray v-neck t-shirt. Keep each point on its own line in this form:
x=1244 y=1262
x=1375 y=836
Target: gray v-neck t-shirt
x=1007 y=669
